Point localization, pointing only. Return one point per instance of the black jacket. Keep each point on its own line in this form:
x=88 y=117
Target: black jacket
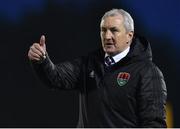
x=131 y=93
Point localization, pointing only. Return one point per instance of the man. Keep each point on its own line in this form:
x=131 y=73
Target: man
x=119 y=85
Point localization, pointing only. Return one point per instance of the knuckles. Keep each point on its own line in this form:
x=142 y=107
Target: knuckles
x=34 y=47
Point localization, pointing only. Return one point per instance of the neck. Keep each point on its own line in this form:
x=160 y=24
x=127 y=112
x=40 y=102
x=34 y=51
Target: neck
x=117 y=57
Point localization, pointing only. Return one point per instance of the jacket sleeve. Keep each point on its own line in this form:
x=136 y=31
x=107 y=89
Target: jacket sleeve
x=64 y=75
x=152 y=98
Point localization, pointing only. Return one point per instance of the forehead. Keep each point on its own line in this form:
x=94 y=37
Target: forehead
x=112 y=21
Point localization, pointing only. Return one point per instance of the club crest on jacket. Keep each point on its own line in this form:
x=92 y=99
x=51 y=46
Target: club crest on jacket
x=123 y=78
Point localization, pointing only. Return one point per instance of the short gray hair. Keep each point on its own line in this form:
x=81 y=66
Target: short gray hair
x=128 y=21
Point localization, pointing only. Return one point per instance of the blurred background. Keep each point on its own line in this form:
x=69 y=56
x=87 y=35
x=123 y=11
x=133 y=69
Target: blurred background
x=72 y=29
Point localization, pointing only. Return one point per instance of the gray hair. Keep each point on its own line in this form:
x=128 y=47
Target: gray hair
x=128 y=21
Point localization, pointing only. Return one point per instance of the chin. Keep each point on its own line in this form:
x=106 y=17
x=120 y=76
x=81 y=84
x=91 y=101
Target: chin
x=109 y=51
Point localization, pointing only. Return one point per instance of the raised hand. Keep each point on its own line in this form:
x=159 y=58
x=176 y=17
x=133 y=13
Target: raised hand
x=38 y=50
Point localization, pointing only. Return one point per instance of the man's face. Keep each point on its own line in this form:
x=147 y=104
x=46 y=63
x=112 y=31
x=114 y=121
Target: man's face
x=114 y=37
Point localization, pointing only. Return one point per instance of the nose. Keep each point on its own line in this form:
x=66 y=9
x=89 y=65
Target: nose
x=108 y=35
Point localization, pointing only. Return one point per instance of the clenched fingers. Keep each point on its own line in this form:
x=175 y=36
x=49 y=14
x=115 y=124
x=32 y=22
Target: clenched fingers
x=36 y=52
x=37 y=47
x=33 y=56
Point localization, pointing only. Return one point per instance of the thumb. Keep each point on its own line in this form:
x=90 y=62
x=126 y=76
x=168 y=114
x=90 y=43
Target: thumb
x=42 y=41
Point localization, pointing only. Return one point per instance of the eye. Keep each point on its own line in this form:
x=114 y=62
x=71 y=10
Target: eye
x=113 y=30
x=103 y=29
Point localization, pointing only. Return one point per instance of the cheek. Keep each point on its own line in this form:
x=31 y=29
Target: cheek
x=102 y=37
x=121 y=40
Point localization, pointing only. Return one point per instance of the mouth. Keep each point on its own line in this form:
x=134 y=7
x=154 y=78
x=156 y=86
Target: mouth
x=109 y=44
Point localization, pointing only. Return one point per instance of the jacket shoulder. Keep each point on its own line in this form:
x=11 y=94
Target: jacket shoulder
x=151 y=69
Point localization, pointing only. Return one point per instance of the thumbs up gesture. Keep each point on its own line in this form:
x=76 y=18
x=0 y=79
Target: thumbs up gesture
x=37 y=51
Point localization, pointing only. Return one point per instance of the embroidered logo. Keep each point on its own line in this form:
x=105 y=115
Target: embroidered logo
x=123 y=78
x=91 y=74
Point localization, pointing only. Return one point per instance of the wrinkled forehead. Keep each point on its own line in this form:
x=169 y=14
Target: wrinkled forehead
x=111 y=21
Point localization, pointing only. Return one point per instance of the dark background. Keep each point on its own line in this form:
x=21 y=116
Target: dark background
x=71 y=28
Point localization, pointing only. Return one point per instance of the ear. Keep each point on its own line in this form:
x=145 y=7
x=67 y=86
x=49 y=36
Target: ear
x=130 y=36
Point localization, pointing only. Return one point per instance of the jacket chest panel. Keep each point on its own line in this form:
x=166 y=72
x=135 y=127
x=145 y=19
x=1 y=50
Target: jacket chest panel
x=116 y=88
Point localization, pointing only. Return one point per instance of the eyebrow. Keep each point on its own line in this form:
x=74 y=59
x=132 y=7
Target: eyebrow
x=109 y=28
x=113 y=28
